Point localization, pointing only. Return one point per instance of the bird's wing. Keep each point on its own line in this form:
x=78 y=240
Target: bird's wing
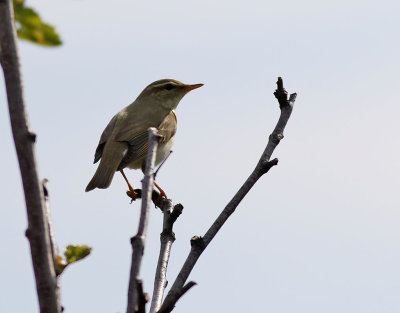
x=104 y=137
x=139 y=144
x=167 y=128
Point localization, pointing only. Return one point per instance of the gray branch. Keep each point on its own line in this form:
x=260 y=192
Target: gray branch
x=24 y=140
x=167 y=238
x=53 y=242
x=199 y=244
x=49 y=222
x=138 y=242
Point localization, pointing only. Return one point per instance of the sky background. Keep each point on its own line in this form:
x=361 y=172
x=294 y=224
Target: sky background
x=319 y=233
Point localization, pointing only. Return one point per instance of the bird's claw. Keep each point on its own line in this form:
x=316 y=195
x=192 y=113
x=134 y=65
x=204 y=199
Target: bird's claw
x=161 y=195
x=133 y=195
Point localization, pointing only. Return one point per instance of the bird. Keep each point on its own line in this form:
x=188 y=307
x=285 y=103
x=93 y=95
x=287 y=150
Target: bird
x=124 y=141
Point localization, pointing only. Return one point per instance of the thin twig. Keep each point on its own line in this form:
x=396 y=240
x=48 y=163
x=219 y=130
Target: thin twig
x=52 y=237
x=138 y=242
x=168 y=306
x=167 y=238
x=24 y=140
x=162 y=163
x=198 y=244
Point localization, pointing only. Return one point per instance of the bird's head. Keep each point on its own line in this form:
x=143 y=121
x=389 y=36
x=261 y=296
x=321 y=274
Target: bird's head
x=166 y=93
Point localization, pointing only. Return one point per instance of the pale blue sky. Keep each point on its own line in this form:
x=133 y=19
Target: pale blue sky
x=319 y=233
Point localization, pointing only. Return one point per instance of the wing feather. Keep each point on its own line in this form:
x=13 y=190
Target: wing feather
x=167 y=128
x=104 y=137
x=139 y=144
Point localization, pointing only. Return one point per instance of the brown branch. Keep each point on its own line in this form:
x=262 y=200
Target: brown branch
x=24 y=140
x=199 y=244
x=167 y=238
x=138 y=242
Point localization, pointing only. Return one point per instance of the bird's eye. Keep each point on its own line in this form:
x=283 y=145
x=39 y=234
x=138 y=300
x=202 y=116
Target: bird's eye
x=169 y=86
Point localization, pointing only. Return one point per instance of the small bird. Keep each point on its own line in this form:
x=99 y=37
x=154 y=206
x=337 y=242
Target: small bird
x=124 y=142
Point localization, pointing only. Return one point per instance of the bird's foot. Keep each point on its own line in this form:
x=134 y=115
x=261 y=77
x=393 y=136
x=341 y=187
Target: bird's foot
x=133 y=195
x=161 y=195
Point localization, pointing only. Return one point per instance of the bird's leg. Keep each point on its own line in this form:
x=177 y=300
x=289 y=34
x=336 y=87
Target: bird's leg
x=162 y=193
x=131 y=193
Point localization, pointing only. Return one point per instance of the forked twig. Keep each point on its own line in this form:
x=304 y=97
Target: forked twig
x=138 y=241
x=199 y=244
x=167 y=238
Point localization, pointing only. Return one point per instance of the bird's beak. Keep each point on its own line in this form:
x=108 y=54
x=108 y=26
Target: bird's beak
x=187 y=88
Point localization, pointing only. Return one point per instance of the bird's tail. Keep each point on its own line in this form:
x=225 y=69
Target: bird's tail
x=105 y=172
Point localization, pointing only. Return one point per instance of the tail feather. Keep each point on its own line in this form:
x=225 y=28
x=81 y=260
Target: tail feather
x=102 y=178
x=106 y=170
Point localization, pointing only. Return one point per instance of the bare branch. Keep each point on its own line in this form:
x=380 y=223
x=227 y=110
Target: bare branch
x=138 y=242
x=24 y=139
x=49 y=222
x=169 y=305
x=167 y=238
x=143 y=298
x=198 y=244
x=52 y=237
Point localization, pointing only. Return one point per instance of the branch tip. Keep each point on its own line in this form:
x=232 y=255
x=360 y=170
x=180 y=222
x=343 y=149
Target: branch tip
x=279 y=83
x=176 y=212
x=197 y=241
x=28 y=233
x=32 y=136
x=274 y=162
x=135 y=238
x=178 y=207
x=282 y=95
x=188 y=286
x=45 y=190
x=266 y=166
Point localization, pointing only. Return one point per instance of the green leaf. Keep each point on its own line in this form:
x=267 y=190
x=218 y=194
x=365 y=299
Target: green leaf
x=72 y=254
x=31 y=27
x=61 y=264
x=76 y=253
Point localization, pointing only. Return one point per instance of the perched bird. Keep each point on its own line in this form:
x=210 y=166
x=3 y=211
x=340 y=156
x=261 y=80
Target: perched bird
x=124 y=142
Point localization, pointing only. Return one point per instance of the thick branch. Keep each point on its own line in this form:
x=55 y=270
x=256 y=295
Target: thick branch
x=24 y=139
x=198 y=244
x=167 y=238
x=139 y=240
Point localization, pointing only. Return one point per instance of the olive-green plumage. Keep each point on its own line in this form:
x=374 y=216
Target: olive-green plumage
x=124 y=141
